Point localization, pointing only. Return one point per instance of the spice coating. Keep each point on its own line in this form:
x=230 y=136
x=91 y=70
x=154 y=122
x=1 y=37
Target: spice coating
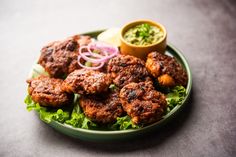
x=103 y=108
x=142 y=103
x=125 y=69
x=47 y=92
x=84 y=81
x=166 y=69
x=59 y=58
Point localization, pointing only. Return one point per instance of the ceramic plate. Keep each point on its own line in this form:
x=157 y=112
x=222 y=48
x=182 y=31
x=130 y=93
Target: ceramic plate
x=97 y=135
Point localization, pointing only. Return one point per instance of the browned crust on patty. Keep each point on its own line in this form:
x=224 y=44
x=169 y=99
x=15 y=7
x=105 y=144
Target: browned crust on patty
x=85 y=81
x=125 y=69
x=166 y=69
x=103 y=108
x=59 y=58
x=47 y=92
x=142 y=103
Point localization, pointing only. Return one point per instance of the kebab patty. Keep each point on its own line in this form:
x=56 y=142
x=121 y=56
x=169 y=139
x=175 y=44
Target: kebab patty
x=47 y=92
x=104 y=108
x=59 y=58
x=142 y=103
x=125 y=69
x=166 y=69
x=85 y=81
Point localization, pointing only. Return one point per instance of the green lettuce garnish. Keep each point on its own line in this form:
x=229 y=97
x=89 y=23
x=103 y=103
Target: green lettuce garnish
x=47 y=114
x=175 y=97
x=79 y=120
x=124 y=123
x=76 y=118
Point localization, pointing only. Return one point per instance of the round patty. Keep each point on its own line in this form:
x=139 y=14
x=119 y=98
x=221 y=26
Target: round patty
x=59 y=58
x=125 y=69
x=47 y=92
x=166 y=69
x=142 y=103
x=103 y=108
x=85 y=81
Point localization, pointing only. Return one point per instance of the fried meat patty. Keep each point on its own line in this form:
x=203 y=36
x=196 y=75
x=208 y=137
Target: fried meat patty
x=59 y=58
x=142 y=103
x=125 y=69
x=85 y=81
x=103 y=108
x=166 y=69
x=47 y=92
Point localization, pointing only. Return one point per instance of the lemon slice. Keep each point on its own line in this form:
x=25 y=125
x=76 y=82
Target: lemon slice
x=110 y=36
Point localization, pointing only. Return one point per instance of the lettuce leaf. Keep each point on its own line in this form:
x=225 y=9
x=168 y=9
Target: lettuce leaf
x=47 y=114
x=31 y=105
x=79 y=120
x=124 y=123
x=175 y=97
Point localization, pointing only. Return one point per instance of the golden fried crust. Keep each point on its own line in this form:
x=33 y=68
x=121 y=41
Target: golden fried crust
x=103 y=108
x=59 y=58
x=166 y=80
x=166 y=69
x=84 y=81
x=47 y=92
x=153 y=67
x=125 y=69
x=142 y=103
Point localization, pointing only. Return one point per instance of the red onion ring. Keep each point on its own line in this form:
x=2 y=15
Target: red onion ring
x=86 y=67
x=91 y=59
x=91 y=53
x=106 y=52
x=104 y=47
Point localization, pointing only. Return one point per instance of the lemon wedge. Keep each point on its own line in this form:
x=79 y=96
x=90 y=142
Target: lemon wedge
x=110 y=36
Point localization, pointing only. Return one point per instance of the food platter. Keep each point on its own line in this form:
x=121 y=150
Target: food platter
x=100 y=135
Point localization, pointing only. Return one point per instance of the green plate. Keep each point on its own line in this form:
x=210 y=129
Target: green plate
x=97 y=135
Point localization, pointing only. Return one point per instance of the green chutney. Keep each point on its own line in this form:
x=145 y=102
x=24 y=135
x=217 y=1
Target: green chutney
x=143 y=34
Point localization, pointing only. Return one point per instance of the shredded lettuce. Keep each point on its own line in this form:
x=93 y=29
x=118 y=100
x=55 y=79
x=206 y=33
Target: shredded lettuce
x=175 y=97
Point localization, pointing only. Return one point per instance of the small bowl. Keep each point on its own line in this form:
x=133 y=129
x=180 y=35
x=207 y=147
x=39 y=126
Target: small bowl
x=139 y=50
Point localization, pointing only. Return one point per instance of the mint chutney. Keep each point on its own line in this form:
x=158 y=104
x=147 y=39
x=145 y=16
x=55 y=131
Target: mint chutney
x=143 y=34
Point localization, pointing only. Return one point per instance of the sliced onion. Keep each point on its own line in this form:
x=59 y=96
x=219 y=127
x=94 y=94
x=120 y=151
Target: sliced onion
x=104 y=48
x=106 y=52
x=88 y=58
x=98 y=59
x=86 y=67
x=91 y=53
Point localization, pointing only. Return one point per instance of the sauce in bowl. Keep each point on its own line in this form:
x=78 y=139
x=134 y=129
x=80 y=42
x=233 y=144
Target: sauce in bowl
x=143 y=34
